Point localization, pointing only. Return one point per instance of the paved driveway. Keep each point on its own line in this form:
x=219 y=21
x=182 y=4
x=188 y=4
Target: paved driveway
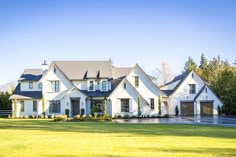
x=222 y=121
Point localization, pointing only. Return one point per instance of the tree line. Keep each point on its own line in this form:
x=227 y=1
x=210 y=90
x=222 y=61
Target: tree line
x=5 y=103
x=220 y=75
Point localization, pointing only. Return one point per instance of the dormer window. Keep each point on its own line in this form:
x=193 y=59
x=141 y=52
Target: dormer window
x=91 y=85
x=30 y=85
x=54 y=70
x=104 y=85
x=40 y=85
x=124 y=85
x=136 y=81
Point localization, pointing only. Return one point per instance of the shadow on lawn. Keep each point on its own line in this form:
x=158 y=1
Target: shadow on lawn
x=109 y=127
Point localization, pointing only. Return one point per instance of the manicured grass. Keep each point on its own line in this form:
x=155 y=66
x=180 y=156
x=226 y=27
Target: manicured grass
x=24 y=138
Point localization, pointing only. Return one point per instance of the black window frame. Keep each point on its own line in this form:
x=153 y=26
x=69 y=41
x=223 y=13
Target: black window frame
x=91 y=85
x=31 y=85
x=152 y=104
x=125 y=105
x=104 y=85
x=136 y=81
x=55 y=86
x=55 y=106
x=35 y=106
x=192 y=88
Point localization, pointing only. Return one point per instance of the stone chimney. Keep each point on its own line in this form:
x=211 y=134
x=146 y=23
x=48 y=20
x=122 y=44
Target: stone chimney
x=44 y=67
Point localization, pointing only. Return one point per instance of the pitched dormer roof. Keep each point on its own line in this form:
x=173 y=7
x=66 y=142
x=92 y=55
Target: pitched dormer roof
x=31 y=75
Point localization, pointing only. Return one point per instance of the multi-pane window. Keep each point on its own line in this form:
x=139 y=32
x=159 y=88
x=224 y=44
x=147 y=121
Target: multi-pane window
x=192 y=88
x=55 y=86
x=124 y=105
x=152 y=104
x=136 y=81
x=40 y=85
x=90 y=85
x=54 y=106
x=35 y=106
x=104 y=85
x=30 y=85
x=22 y=106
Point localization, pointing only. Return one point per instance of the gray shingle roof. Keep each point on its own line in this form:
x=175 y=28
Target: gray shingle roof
x=77 y=70
x=120 y=72
x=31 y=75
x=28 y=94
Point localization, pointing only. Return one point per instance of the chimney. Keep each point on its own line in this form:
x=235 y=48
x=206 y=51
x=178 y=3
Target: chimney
x=44 y=67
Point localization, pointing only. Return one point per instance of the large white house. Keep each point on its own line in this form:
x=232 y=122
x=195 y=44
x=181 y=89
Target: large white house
x=78 y=86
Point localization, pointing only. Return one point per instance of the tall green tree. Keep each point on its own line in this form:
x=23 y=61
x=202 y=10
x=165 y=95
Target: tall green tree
x=190 y=65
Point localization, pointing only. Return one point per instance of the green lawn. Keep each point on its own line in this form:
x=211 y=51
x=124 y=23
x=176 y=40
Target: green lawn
x=24 y=138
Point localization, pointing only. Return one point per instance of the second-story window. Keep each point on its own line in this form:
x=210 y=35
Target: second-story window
x=90 y=85
x=104 y=85
x=136 y=81
x=192 y=88
x=40 y=85
x=152 y=104
x=30 y=85
x=55 y=86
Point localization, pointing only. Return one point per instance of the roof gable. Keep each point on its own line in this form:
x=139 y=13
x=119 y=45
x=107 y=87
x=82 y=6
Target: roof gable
x=31 y=75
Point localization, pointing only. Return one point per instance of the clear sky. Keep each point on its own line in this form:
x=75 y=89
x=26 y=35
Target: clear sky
x=128 y=31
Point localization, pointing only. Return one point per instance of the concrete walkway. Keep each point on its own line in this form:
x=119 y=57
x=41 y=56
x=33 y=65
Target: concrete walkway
x=220 y=121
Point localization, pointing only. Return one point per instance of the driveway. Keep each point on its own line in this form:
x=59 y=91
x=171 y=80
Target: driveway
x=215 y=120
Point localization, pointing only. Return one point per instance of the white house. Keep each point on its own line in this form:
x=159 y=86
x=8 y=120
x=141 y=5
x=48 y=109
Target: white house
x=191 y=95
x=82 y=86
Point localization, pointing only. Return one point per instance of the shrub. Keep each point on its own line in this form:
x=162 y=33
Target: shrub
x=165 y=116
x=46 y=116
x=176 y=110
x=30 y=116
x=118 y=116
x=77 y=117
x=95 y=115
x=60 y=118
x=126 y=116
x=41 y=116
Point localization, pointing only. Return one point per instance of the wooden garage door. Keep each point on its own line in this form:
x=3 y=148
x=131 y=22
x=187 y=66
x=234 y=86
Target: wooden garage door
x=206 y=108
x=187 y=108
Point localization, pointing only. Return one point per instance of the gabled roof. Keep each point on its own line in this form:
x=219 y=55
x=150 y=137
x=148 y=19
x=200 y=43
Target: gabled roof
x=26 y=94
x=78 y=70
x=120 y=72
x=31 y=75
x=179 y=78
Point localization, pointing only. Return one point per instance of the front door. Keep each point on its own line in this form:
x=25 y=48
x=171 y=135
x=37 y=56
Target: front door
x=75 y=107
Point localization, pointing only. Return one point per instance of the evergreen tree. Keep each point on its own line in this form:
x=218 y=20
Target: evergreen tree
x=190 y=65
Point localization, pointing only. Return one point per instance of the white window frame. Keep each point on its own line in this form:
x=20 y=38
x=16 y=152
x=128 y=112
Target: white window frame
x=31 y=85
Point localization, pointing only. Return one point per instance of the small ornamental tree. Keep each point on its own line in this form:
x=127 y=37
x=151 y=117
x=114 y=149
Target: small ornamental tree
x=176 y=110
x=43 y=106
x=219 y=110
x=105 y=107
x=159 y=104
x=15 y=107
x=139 y=106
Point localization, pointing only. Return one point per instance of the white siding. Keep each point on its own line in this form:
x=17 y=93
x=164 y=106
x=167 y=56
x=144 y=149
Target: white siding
x=82 y=85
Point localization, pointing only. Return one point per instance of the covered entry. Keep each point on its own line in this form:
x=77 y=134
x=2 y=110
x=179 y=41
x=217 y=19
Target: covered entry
x=206 y=108
x=75 y=106
x=187 y=108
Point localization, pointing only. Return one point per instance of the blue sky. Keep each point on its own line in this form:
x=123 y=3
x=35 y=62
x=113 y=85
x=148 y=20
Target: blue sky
x=145 y=32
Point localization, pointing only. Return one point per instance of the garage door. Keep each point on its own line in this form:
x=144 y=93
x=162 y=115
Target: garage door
x=187 y=108
x=206 y=108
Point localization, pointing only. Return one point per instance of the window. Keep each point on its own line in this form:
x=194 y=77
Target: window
x=54 y=70
x=90 y=85
x=22 y=106
x=124 y=85
x=206 y=90
x=55 y=86
x=152 y=104
x=192 y=88
x=98 y=104
x=40 y=85
x=124 y=105
x=30 y=85
x=136 y=81
x=55 y=106
x=104 y=85
x=35 y=106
